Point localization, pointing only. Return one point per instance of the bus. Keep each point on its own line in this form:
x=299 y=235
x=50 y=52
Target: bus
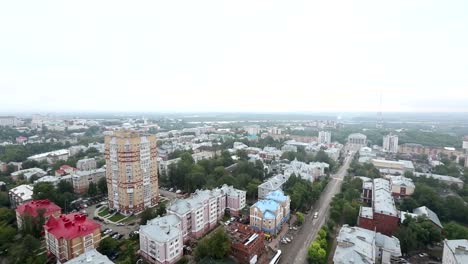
x=276 y=258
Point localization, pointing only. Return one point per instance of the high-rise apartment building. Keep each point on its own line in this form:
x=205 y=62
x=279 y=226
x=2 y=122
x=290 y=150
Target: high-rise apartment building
x=131 y=171
x=324 y=137
x=390 y=143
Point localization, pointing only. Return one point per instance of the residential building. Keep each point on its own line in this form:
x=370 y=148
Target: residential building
x=455 y=251
x=390 y=143
x=423 y=211
x=361 y=246
x=268 y=215
x=90 y=257
x=401 y=186
x=273 y=184
x=289 y=148
x=164 y=165
x=34 y=208
x=8 y=121
x=247 y=244
x=28 y=173
x=449 y=180
x=310 y=172
x=82 y=179
x=235 y=199
x=54 y=179
x=418 y=149
x=64 y=170
x=86 y=164
x=68 y=236
x=324 y=137
x=393 y=167
x=204 y=155
x=21 y=139
x=357 y=139
x=131 y=171
x=252 y=130
x=51 y=157
x=20 y=194
x=382 y=216
x=161 y=240
x=74 y=150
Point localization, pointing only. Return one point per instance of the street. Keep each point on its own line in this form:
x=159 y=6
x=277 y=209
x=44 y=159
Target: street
x=296 y=251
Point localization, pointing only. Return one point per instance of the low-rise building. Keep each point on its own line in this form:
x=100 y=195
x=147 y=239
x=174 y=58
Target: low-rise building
x=455 y=251
x=393 y=167
x=86 y=164
x=357 y=140
x=82 y=179
x=422 y=211
x=161 y=240
x=68 y=236
x=20 y=195
x=65 y=170
x=382 y=216
x=90 y=257
x=361 y=246
x=34 y=208
x=273 y=184
x=449 y=180
x=51 y=157
x=268 y=215
x=247 y=244
x=401 y=186
x=28 y=173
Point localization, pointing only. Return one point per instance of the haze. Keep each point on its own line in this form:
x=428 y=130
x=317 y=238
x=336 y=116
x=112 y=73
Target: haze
x=234 y=56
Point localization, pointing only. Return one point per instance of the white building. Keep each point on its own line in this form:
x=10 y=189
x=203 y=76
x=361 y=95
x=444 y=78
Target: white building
x=20 y=194
x=357 y=139
x=28 y=173
x=273 y=184
x=357 y=245
x=455 y=251
x=390 y=143
x=324 y=137
x=309 y=172
x=86 y=164
x=401 y=186
x=252 y=130
x=8 y=121
x=161 y=240
x=52 y=157
x=90 y=257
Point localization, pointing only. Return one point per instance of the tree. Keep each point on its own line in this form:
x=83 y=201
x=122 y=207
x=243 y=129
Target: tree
x=92 y=189
x=161 y=209
x=7 y=215
x=25 y=251
x=108 y=246
x=217 y=246
x=146 y=215
x=316 y=254
x=64 y=187
x=454 y=230
x=7 y=234
x=300 y=218
x=102 y=185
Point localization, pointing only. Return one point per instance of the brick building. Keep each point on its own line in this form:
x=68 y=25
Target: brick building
x=247 y=244
x=383 y=215
x=71 y=235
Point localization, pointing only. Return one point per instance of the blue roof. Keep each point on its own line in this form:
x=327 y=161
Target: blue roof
x=268 y=207
x=277 y=196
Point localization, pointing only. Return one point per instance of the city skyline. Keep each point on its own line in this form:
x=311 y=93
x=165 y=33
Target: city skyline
x=215 y=56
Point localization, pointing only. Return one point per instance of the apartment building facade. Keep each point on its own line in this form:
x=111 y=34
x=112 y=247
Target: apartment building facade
x=68 y=236
x=131 y=171
x=82 y=179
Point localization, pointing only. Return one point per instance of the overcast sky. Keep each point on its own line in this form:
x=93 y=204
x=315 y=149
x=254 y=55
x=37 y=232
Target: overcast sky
x=234 y=55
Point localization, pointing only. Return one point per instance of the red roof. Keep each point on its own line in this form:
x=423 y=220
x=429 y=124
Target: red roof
x=31 y=208
x=70 y=226
x=67 y=167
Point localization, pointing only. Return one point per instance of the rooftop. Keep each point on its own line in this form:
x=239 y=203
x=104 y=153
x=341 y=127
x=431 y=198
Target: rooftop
x=24 y=191
x=459 y=249
x=162 y=229
x=70 y=226
x=268 y=208
x=277 y=196
x=424 y=211
x=439 y=177
x=402 y=181
x=274 y=183
x=90 y=257
x=32 y=207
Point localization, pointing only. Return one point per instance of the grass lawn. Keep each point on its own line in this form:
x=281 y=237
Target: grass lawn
x=104 y=212
x=117 y=217
x=130 y=219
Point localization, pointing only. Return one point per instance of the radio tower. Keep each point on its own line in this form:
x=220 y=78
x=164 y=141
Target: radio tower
x=380 y=122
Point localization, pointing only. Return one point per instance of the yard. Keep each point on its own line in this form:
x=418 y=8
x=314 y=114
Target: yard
x=117 y=217
x=104 y=212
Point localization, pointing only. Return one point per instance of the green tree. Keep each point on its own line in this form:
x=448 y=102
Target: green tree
x=147 y=214
x=102 y=185
x=7 y=234
x=316 y=254
x=454 y=230
x=300 y=218
x=161 y=209
x=92 y=189
x=7 y=215
x=25 y=251
x=108 y=246
x=216 y=246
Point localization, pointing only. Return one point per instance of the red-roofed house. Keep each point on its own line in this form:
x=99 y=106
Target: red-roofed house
x=64 y=170
x=32 y=208
x=69 y=236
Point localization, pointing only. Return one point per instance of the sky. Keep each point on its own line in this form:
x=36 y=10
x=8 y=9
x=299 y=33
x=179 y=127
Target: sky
x=234 y=56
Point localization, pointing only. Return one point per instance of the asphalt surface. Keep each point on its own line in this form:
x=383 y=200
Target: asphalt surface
x=296 y=251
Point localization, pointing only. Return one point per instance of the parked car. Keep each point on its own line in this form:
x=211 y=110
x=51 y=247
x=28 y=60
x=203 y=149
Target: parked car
x=120 y=224
x=316 y=215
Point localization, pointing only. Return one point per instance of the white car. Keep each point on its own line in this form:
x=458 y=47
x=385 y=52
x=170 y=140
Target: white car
x=315 y=214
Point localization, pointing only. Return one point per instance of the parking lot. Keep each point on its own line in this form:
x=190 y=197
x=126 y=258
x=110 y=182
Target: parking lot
x=124 y=230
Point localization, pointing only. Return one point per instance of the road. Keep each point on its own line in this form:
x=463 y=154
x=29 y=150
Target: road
x=296 y=251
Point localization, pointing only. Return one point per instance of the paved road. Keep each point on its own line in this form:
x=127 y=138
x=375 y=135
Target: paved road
x=296 y=251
